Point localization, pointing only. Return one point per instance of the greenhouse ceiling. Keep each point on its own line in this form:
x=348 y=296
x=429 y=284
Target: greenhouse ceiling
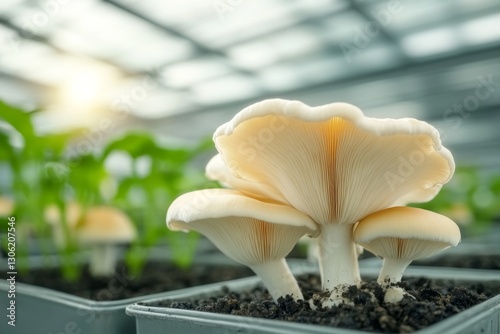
x=180 y=68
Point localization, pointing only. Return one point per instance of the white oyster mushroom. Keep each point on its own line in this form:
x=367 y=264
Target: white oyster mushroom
x=333 y=164
x=252 y=232
x=401 y=235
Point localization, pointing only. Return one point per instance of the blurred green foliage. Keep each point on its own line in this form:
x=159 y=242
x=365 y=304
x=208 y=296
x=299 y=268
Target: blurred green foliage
x=52 y=169
x=471 y=199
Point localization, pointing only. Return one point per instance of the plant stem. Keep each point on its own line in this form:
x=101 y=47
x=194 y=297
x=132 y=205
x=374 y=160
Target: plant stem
x=392 y=270
x=278 y=279
x=338 y=260
x=103 y=260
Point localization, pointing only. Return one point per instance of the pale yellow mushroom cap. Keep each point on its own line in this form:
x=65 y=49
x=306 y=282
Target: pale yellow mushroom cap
x=405 y=232
x=246 y=229
x=330 y=162
x=105 y=225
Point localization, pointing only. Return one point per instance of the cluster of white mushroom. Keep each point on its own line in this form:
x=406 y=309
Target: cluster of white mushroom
x=328 y=172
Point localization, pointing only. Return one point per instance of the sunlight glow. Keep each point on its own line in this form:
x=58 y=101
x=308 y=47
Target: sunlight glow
x=84 y=96
x=83 y=87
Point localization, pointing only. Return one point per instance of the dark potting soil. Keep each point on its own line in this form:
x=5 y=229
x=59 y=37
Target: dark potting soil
x=434 y=301
x=157 y=276
x=463 y=261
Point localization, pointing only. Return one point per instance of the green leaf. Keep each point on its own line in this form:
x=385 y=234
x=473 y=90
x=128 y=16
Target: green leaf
x=19 y=119
x=58 y=142
x=6 y=150
x=135 y=144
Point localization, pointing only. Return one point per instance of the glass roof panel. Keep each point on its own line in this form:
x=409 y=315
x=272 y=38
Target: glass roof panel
x=291 y=43
x=228 y=25
x=24 y=55
x=319 y=69
x=161 y=103
x=341 y=27
x=481 y=30
x=253 y=55
x=145 y=46
x=76 y=42
x=411 y=14
x=431 y=42
x=185 y=74
x=317 y=6
x=171 y=12
x=41 y=18
x=7 y=6
x=145 y=54
x=226 y=89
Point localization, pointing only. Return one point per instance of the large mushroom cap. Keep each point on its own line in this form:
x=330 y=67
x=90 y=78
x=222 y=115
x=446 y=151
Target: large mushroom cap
x=216 y=169
x=248 y=230
x=405 y=232
x=331 y=162
x=105 y=225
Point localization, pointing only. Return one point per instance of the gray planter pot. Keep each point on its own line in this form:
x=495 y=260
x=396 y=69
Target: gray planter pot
x=41 y=310
x=483 y=318
x=490 y=236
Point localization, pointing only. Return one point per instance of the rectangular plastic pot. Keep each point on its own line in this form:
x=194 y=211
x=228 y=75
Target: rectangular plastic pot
x=481 y=319
x=489 y=236
x=42 y=310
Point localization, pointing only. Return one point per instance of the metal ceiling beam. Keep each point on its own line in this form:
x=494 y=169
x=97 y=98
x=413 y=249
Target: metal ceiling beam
x=200 y=48
x=41 y=39
x=313 y=20
x=383 y=32
x=369 y=18
x=449 y=22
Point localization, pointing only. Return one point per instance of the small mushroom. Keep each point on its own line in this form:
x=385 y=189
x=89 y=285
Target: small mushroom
x=252 y=232
x=401 y=235
x=103 y=229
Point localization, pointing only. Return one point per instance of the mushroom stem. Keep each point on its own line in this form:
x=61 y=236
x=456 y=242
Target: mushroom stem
x=59 y=236
x=278 y=279
x=392 y=271
x=103 y=260
x=338 y=259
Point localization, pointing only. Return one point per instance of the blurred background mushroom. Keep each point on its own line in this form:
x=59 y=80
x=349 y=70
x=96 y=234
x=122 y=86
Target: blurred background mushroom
x=103 y=230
